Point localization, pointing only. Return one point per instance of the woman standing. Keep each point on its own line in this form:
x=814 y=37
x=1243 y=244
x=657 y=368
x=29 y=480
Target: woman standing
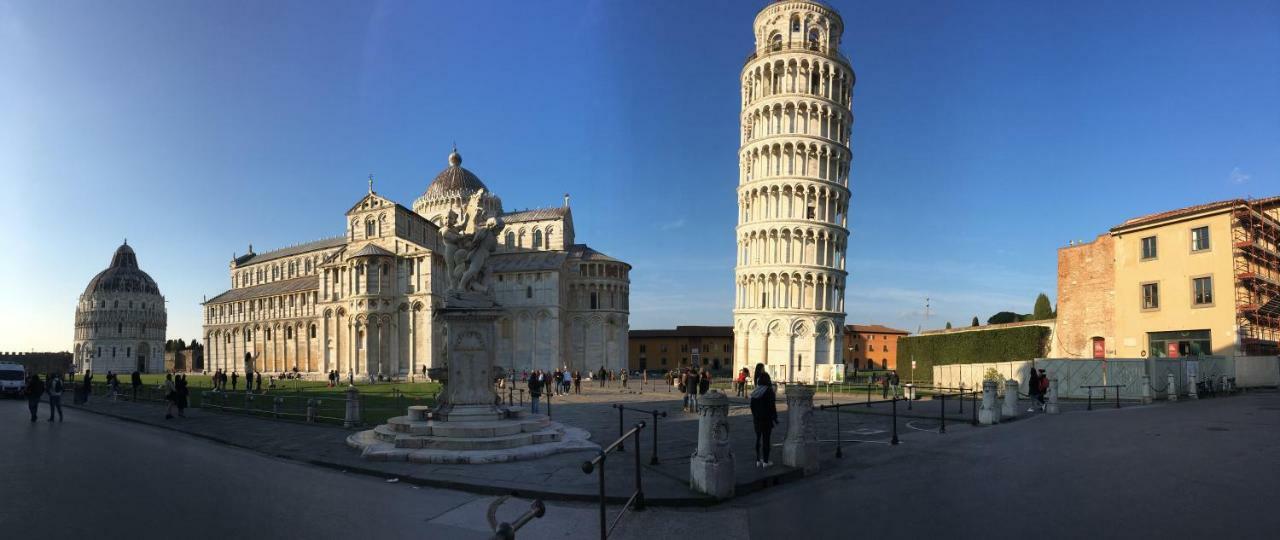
x=764 y=415
x=35 y=389
x=170 y=395
x=181 y=388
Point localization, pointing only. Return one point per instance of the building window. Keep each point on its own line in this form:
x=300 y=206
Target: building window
x=1150 y=296
x=1148 y=248
x=662 y=348
x=119 y=328
x=369 y=229
x=664 y=361
x=313 y=330
x=727 y=347
x=537 y=239
x=684 y=347
x=128 y=351
x=595 y=301
x=1199 y=239
x=528 y=292
x=1202 y=291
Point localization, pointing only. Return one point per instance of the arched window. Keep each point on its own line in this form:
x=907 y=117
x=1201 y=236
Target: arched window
x=288 y=332
x=537 y=239
x=511 y=239
x=595 y=301
x=119 y=328
x=775 y=42
x=128 y=351
x=528 y=292
x=815 y=37
x=313 y=331
x=369 y=229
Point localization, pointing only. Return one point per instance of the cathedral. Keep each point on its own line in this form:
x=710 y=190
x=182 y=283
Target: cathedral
x=362 y=303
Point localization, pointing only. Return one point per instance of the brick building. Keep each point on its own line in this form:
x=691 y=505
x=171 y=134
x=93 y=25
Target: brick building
x=871 y=346
x=683 y=346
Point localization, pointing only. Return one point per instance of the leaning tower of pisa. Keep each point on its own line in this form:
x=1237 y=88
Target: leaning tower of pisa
x=793 y=194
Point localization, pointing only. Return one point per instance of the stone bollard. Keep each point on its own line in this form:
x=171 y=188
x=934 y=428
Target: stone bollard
x=711 y=467
x=275 y=407
x=311 y=410
x=1171 y=388
x=1052 y=406
x=1146 y=389
x=988 y=414
x=353 y=408
x=1010 y=399
x=800 y=447
x=1191 y=387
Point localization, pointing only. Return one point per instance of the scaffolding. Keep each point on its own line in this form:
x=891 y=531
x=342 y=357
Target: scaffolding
x=1256 y=245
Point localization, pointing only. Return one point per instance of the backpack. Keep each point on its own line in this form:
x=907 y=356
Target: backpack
x=1044 y=384
x=56 y=386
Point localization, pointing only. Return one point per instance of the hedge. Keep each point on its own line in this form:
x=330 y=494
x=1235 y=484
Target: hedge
x=1005 y=345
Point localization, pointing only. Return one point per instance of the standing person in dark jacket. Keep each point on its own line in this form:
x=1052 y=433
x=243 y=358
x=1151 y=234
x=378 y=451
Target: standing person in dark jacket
x=35 y=389
x=258 y=379
x=136 y=381
x=55 y=396
x=1033 y=388
x=180 y=386
x=535 y=390
x=235 y=378
x=691 y=384
x=764 y=415
x=86 y=386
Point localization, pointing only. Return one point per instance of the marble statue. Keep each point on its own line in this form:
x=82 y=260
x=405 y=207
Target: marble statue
x=468 y=240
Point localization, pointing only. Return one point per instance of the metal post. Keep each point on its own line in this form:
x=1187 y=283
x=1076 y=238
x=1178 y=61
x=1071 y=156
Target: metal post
x=604 y=525
x=895 y=421
x=654 y=460
x=1090 y=399
x=868 y=394
x=974 y=408
x=639 y=506
x=942 y=414
x=622 y=445
x=961 y=409
x=548 y=403
x=1117 y=397
x=839 y=442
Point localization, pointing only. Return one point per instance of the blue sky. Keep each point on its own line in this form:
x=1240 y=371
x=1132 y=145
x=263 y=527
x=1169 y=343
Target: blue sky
x=987 y=135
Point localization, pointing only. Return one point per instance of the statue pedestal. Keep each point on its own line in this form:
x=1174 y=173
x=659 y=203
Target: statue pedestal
x=469 y=425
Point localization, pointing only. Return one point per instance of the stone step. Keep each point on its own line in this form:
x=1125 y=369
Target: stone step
x=418 y=413
x=479 y=443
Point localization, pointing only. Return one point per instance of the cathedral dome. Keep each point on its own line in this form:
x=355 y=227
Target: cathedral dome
x=454 y=180
x=123 y=275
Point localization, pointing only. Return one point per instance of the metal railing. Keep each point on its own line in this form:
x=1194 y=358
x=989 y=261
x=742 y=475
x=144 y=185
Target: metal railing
x=653 y=460
x=839 y=433
x=1104 y=388
x=309 y=409
x=636 y=501
x=507 y=531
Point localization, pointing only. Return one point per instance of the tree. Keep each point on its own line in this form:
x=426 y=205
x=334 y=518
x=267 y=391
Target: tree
x=180 y=345
x=975 y=321
x=948 y=325
x=1005 y=317
x=1043 y=309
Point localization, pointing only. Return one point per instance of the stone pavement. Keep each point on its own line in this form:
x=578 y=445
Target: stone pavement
x=560 y=477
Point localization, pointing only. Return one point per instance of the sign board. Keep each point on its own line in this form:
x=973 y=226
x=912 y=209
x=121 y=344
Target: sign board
x=1099 y=348
x=1171 y=349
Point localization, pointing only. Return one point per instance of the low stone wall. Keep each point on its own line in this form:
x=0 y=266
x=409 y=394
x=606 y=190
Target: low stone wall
x=1074 y=374
x=1256 y=371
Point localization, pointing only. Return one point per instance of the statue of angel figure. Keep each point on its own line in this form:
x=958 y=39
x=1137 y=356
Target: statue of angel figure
x=468 y=240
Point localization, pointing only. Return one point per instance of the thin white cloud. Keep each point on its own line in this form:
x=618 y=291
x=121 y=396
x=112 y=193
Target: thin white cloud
x=672 y=225
x=1238 y=176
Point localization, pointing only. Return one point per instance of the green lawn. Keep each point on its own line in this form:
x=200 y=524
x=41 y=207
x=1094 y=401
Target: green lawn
x=379 y=401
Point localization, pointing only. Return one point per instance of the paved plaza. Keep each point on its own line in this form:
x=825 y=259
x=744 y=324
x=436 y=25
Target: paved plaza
x=1056 y=474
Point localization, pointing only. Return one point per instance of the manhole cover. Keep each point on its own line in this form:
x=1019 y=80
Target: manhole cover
x=1216 y=428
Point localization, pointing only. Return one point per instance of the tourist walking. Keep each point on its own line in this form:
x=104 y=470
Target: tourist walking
x=35 y=389
x=577 y=381
x=704 y=381
x=55 y=396
x=691 y=383
x=624 y=376
x=85 y=388
x=113 y=383
x=884 y=383
x=742 y=382
x=1044 y=389
x=234 y=378
x=893 y=383
x=535 y=390
x=170 y=395
x=764 y=415
x=135 y=380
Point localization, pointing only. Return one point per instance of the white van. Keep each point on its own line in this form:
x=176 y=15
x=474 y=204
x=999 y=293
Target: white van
x=13 y=379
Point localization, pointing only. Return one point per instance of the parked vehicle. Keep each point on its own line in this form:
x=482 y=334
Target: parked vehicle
x=13 y=379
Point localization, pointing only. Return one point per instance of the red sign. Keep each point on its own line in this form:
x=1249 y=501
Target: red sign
x=1099 y=348
x=1172 y=349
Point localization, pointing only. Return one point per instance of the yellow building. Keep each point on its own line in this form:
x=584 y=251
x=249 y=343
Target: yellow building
x=1196 y=281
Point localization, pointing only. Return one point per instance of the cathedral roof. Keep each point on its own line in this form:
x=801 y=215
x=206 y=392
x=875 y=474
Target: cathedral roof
x=535 y=214
x=285 y=286
x=291 y=250
x=454 y=179
x=584 y=252
x=372 y=250
x=527 y=261
x=123 y=275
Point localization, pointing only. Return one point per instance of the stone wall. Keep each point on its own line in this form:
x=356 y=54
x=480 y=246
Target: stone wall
x=1073 y=374
x=1086 y=299
x=1255 y=371
x=40 y=362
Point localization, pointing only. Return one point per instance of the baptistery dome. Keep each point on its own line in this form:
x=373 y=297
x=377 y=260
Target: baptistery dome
x=120 y=319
